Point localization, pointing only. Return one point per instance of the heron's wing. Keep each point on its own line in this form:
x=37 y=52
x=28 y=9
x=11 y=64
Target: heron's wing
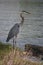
x=13 y=32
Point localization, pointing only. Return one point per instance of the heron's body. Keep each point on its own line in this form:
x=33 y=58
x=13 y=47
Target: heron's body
x=15 y=29
x=13 y=32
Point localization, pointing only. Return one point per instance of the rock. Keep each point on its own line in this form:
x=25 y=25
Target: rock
x=36 y=50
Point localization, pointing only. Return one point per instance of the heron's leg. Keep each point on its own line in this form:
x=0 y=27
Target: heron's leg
x=15 y=40
x=13 y=43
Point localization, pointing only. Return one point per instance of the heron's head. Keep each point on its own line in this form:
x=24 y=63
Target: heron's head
x=26 y=12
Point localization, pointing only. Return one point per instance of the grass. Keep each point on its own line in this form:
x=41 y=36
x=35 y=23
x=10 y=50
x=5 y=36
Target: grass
x=4 y=50
x=18 y=58
x=20 y=61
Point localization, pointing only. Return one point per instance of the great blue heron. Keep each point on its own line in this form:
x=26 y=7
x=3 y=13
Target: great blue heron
x=15 y=29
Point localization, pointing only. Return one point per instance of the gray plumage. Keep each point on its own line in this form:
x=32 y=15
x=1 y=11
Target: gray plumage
x=13 y=32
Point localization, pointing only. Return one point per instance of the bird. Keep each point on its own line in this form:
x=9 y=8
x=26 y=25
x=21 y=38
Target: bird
x=15 y=29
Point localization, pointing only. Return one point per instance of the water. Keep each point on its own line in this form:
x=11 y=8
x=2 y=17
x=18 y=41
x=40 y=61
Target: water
x=32 y=30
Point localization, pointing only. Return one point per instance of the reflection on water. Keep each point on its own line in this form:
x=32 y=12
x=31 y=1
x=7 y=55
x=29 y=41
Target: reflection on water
x=32 y=30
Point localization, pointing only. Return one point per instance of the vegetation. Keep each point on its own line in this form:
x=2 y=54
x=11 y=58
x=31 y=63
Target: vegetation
x=18 y=57
x=4 y=50
x=19 y=61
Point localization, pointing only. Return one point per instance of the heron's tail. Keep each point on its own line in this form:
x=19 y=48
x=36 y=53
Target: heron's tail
x=7 y=40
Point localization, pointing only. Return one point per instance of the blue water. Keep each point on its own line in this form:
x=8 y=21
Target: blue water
x=32 y=29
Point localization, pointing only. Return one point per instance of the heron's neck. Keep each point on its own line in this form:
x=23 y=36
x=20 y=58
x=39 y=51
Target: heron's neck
x=22 y=21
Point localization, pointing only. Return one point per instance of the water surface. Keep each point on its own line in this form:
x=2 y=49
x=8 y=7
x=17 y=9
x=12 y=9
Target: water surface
x=32 y=30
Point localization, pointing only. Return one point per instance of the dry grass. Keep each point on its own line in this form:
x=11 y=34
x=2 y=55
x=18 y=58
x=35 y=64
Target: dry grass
x=18 y=57
x=18 y=60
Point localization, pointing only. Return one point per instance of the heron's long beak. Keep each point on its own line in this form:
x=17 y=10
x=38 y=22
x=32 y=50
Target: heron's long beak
x=26 y=12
